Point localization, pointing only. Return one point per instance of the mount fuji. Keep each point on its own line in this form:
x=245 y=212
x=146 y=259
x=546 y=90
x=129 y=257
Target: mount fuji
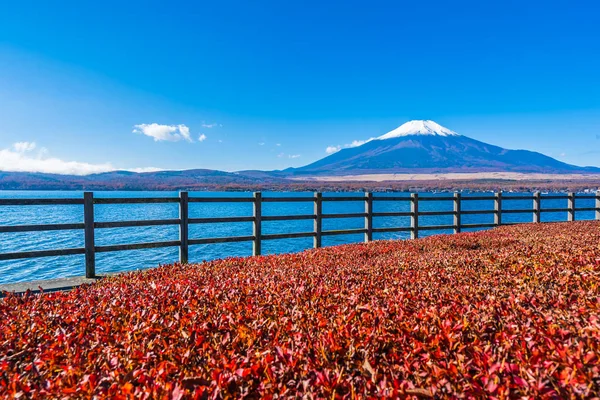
x=426 y=147
x=416 y=147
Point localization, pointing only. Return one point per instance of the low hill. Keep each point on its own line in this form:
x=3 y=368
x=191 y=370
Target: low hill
x=198 y=179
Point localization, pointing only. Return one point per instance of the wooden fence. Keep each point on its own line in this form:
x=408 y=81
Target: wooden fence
x=89 y=225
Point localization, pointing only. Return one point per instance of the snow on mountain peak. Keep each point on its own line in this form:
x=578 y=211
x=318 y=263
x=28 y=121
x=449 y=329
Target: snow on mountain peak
x=419 y=127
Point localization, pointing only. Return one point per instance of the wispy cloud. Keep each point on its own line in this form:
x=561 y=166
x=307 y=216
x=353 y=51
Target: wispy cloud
x=146 y=169
x=208 y=126
x=170 y=133
x=22 y=158
x=278 y=144
x=333 y=149
x=280 y=155
x=202 y=137
x=293 y=155
x=355 y=143
x=261 y=144
x=22 y=147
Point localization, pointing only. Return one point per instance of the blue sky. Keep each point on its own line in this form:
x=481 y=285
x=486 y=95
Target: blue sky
x=272 y=84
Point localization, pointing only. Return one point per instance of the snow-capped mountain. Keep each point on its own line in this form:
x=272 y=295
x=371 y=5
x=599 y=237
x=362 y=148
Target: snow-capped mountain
x=419 y=127
x=427 y=147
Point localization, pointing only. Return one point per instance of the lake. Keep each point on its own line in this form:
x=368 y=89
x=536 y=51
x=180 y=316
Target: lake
x=55 y=267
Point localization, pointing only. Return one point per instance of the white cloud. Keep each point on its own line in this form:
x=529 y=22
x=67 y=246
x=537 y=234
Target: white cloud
x=261 y=144
x=20 y=158
x=22 y=147
x=278 y=144
x=146 y=169
x=333 y=149
x=171 y=133
x=205 y=125
x=355 y=143
x=280 y=155
x=202 y=137
x=42 y=152
x=185 y=132
x=294 y=156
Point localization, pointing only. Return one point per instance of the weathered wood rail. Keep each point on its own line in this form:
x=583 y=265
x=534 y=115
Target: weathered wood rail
x=89 y=225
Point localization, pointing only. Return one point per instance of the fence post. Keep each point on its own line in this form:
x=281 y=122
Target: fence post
x=414 y=218
x=369 y=216
x=498 y=208
x=598 y=205
x=537 y=207
x=318 y=221
x=257 y=231
x=183 y=227
x=457 y=212
x=571 y=206
x=88 y=221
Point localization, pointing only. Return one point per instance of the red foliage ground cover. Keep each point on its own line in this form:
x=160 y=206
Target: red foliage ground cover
x=508 y=313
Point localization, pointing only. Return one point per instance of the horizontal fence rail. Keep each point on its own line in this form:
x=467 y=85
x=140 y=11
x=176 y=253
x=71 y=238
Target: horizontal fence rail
x=89 y=225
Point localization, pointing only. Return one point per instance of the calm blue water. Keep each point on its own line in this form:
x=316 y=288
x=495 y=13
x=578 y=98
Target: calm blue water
x=54 y=267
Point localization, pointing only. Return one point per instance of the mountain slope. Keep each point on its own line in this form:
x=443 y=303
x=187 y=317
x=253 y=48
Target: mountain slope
x=427 y=147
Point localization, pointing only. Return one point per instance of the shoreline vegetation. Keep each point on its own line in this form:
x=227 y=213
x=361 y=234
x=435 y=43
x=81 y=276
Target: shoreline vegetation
x=211 y=180
x=449 y=185
x=511 y=312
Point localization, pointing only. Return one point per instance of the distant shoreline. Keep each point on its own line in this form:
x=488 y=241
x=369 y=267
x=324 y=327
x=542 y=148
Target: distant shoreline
x=349 y=185
x=451 y=176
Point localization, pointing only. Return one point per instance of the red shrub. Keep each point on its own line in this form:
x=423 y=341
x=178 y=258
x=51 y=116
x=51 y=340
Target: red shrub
x=506 y=313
